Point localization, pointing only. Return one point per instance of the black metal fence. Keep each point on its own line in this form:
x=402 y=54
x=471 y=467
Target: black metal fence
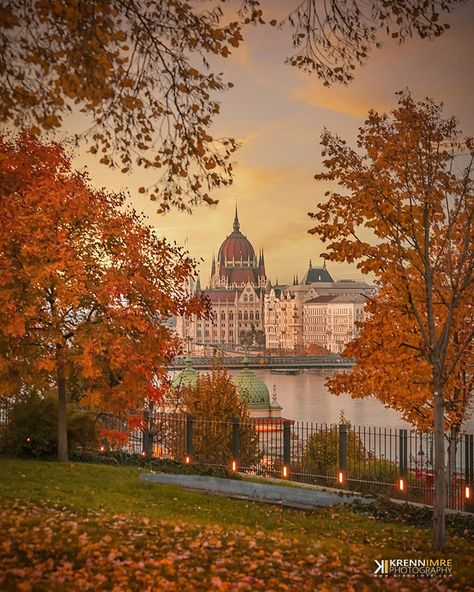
x=395 y=462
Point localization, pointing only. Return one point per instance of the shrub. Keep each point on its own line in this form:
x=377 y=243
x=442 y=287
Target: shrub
x=32 y=429
x=213 y=401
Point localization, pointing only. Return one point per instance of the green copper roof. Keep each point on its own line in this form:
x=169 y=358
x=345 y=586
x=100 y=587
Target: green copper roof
x=187 y=377
x=252 y=390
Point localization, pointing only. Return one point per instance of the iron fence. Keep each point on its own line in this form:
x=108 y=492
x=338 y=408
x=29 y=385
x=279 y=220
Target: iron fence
x=390 y=461
x=395 y=462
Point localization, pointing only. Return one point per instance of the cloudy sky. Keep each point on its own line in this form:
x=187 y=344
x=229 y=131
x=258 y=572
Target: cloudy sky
x=278 y=114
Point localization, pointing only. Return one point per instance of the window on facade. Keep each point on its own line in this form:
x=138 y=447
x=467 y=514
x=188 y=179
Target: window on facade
x=251 y=315
x=246 y=316
x=231 y=316
x=257 y=316
x=240 y=315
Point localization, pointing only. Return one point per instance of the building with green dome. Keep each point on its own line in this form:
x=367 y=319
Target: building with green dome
x=187 y=377
x=254 y=393
x=251 y=389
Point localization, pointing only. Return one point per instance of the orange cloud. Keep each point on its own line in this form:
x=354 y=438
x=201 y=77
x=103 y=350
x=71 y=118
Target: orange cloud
x=353 y=101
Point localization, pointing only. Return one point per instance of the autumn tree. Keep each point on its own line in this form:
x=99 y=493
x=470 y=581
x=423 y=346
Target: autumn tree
x=332 y=38
x=405 y=214
x=85 y=286
x=140 y=72
x=213 y=401
x=390 y=367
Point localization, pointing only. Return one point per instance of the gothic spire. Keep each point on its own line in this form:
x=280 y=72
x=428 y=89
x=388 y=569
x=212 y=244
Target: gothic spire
x=236 y=220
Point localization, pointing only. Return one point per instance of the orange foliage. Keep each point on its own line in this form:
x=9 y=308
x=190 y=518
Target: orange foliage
x=390 y=366
x=406 y=190
x=85 y=285
x=404 y=211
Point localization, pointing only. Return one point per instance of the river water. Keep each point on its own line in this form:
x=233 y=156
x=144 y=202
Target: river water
x=304 y=397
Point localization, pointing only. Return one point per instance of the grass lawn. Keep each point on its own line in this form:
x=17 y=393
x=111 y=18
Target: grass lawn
x=97 y=527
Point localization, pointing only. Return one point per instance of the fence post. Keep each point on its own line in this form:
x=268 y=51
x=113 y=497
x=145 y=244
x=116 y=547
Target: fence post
x=287 y=443
x=469 y=468
x=235 y=438
x=342 y=453
x=403 y=444
x=189 y=437
x=147 y=443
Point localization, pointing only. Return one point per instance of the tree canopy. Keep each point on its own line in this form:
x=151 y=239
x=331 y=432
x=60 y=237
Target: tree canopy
x=404 y=210
x=141 y=72
x=85 y=285
x=390 y=367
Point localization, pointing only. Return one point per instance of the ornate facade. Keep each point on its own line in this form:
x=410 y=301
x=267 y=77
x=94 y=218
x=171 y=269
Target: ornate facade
x=289 y=319
x=236 y=290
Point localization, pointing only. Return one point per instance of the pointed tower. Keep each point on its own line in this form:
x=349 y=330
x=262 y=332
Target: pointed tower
x=236 y=220
x=213 y=266
x=262 y=276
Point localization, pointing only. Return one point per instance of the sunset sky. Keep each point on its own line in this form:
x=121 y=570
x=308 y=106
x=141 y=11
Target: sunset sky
x=278 y=114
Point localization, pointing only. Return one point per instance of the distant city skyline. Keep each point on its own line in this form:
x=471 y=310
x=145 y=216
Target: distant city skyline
x=278 y=114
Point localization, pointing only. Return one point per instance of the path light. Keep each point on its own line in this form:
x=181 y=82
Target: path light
x=143 y=453
x=102 y=448
x=285 y=472
x=187 y=460
x=401 y=484
x=28 y=439
x=467 y=492
x=233 y=466
x=340 y=477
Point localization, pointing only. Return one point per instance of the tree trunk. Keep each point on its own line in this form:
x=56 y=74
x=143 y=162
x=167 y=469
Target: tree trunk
x=439 y=469
x=62 y=409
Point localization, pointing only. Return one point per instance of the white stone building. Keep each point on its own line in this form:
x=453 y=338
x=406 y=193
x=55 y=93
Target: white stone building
x=330 y=321
x=284 y=311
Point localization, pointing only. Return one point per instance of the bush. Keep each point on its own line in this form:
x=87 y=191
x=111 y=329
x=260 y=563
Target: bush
x=213 y=401
x=321 y=453
x=32 y=428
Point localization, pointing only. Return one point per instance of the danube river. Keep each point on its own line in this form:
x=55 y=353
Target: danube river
x=304 y=397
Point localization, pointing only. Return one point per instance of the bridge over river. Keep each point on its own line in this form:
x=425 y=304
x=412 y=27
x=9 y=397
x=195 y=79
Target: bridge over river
x=268 y=362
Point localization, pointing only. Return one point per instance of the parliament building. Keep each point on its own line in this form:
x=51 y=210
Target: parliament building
x=236 y=290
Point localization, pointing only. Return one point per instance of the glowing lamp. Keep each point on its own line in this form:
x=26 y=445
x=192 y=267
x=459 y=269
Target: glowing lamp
x=143 y=453
x=340 y=477
x=285 y=472
x=28 y=439
x=233 y=467
x=401 y=484
x=467 y=492
x=187 y=460
x=102 y=448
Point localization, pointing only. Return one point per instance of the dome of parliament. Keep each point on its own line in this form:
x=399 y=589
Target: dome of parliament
x=237 y=250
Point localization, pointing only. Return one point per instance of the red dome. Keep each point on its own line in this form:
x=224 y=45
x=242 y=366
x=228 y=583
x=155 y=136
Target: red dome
x=236 y=248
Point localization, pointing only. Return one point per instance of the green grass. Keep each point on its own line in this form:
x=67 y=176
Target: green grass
x=96 y=495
